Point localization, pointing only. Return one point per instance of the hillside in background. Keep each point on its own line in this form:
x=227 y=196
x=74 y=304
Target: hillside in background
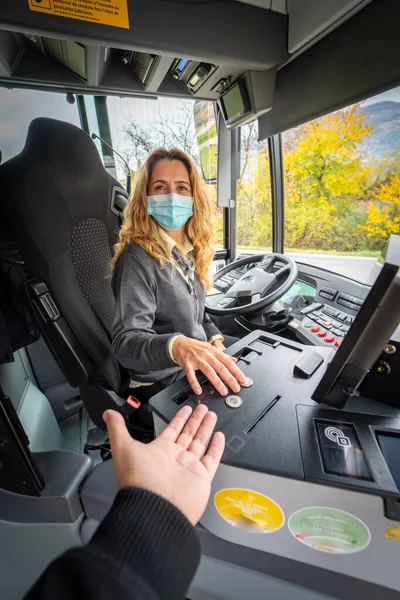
x=385 y=116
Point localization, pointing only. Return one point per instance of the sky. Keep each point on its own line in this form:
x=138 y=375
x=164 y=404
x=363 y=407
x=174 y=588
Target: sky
x=19 y=107
x=391 y=95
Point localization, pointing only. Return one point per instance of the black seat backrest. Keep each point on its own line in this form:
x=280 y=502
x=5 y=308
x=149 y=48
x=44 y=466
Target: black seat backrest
x=63 y=209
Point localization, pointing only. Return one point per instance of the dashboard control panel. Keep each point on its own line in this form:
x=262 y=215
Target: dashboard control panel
x=352 y=302
x=323 y=325
x=328 y=293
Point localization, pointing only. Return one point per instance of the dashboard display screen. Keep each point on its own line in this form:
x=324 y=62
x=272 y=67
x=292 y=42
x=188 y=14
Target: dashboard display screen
x=389 y=443
x=299 y=288
x=233 y=102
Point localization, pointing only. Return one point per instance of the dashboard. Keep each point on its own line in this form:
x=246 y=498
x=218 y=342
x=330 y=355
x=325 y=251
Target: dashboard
x=322 y=304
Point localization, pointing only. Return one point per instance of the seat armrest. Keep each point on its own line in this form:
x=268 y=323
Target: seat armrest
x=66 y=349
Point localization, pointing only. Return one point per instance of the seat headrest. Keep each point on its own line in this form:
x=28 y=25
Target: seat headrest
x=66 y=145
x=57 y=181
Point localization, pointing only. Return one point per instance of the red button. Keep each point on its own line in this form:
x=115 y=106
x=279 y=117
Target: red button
x=322 y=333
x=330 y=338
x=327 y=324
x=338 y=342
x=315 y=328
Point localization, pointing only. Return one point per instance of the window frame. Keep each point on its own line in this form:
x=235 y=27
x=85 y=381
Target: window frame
x=277 y=193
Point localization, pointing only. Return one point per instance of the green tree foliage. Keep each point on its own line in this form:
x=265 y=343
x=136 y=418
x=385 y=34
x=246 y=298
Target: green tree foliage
x=335 y=197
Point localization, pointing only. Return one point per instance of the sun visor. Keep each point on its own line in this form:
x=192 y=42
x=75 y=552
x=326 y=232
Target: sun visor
x=354 y=62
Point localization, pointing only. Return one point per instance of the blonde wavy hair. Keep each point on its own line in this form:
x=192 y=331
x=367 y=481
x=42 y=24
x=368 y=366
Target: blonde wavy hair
x=140 y=228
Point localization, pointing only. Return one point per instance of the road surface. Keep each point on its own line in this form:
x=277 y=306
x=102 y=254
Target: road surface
x=360 y=268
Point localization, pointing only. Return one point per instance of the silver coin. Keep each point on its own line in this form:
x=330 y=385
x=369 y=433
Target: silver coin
x=249 y=383
x=233 y=401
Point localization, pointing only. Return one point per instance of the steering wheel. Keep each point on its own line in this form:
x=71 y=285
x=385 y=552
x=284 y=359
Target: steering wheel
x=260 y=287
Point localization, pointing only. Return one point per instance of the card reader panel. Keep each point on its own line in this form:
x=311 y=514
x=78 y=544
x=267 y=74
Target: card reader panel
x=341 y=448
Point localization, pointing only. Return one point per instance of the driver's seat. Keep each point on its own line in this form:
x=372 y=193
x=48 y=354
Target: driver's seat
x=63 y=211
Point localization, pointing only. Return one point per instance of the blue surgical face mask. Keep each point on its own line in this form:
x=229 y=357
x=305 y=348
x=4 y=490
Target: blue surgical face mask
x=171 y=211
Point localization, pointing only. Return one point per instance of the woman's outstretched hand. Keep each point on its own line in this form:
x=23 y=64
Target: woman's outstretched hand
x=176 y=465
x=218 y=367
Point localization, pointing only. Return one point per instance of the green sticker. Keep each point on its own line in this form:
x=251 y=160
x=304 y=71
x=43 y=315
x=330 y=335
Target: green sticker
x=329 y=530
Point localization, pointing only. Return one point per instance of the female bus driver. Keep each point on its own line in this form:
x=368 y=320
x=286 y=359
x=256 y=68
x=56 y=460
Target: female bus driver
x=161 y=271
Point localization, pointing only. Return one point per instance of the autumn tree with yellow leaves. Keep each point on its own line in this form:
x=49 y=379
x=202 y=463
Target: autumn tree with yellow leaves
x=384 y=212
x=336 y=197
x=325 y=176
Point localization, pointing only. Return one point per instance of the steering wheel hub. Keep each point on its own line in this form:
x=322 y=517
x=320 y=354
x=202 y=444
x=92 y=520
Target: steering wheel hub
x=258 y=288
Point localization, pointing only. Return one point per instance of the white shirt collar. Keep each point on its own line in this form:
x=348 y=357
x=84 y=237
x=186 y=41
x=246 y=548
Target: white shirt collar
x=186 y=246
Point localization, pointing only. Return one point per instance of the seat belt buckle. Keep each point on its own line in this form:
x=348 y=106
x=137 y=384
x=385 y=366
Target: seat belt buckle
x=131 y=405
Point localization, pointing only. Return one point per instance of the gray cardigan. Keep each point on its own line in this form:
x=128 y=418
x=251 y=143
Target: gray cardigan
x=152 y=304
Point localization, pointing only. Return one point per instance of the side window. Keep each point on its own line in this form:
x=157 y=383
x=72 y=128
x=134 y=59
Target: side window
x=93 y=122
x=19 y=107
x=254 y=208
x=139 y=126
x=342 y=187
x=207 y=143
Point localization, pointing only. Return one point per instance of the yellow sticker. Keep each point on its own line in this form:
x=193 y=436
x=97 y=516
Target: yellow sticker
x=249 y=510
x=393 y=533
x=104 y=12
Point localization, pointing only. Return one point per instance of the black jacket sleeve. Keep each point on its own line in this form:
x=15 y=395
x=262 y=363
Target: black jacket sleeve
x=145 y=549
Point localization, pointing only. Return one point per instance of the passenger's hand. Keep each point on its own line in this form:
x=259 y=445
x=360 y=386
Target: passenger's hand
x=175 y=465
x=218 y=367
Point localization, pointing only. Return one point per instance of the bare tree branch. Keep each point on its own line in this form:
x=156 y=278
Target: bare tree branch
x=178 y=131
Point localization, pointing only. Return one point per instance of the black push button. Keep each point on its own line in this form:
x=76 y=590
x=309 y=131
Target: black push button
x=308 y=364
x=315 y=315
x=222 y=285
x=337 y=331
x=341 y=450
x=327 y=292
x=329 y=311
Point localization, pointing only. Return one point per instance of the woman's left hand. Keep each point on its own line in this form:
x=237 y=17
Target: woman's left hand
x=219 y=345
